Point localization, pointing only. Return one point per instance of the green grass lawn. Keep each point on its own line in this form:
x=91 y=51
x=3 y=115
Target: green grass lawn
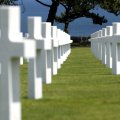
x=84 y=89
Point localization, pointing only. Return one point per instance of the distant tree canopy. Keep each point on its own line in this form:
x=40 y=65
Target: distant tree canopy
x=8 y=2
x=76 y=9
x=112 y=6
x=80 y=8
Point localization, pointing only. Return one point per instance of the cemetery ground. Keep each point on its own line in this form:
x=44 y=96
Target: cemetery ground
x=84 y=89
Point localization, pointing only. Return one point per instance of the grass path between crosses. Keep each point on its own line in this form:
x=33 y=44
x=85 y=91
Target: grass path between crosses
x=84 y=89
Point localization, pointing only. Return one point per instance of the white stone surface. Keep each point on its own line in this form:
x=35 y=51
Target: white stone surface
x=104 y=46
x=21 y=61
x=35 y=65
x=116 y=48
x=109 y=47
x=54 y=49
x=47 y=53
x=12 y=47
x=110 y=41
x=46 y=48
x=59 y=48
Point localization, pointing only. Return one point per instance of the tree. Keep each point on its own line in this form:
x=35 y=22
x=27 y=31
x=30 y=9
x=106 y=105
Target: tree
x=8 y=2
x=53 y=9
x=112 y=6
x=81 y=8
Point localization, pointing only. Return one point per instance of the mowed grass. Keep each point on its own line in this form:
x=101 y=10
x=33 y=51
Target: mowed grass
x=84 y=89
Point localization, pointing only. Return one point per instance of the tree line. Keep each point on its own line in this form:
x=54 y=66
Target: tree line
x=74 y=9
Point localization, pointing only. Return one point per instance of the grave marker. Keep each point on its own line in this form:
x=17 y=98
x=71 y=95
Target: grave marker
x=12 y=47
x=110 y=41
x=54 y=49
x=46 y=53
x=104 y=45
x=109 y=47
x=35 y=65
x=116 y=48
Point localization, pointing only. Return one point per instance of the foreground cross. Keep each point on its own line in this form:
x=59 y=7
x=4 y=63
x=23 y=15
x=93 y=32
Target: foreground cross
x=12 y=47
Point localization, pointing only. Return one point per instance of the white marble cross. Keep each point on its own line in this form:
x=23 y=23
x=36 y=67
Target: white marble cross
x=116 y=48
x=59 y=48
x=104 y=45
x=12 y=47
x=35 y=65
x=109 y=46
x=54 y=50
x=47 y=53
x=99 y=51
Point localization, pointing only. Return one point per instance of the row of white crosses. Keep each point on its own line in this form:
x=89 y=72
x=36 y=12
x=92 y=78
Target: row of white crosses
x=105 y=44
x=52 y=48
x=45 y=47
